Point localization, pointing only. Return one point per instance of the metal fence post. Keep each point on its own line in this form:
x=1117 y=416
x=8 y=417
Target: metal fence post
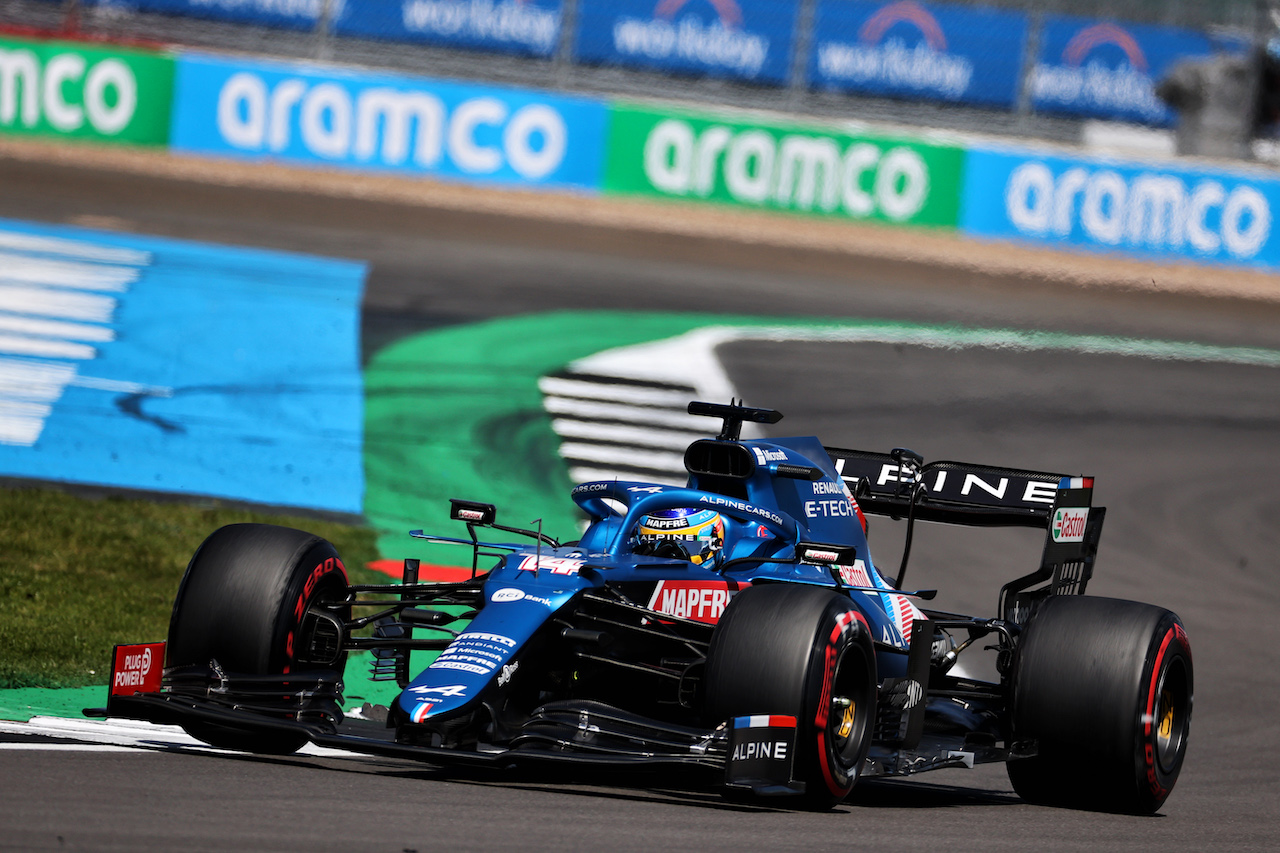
x=71 y=16
x=324 y=31
x=562 y=62
x=801 y=44
x=1031 y=52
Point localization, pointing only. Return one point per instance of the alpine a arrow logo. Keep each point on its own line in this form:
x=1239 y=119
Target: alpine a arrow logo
x=452 y=691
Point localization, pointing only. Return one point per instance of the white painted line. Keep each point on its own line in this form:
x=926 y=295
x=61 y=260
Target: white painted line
x=612 y=454
x=29 y=270
x=55 y=329
x=140 y=735
x=33 y=380
x=116 y=732
x=66 y=747
x=691 y=359
x=27 y=388
x=637 y=395
x=688 y=359
x=72 y=249
x=45 y=348
x=117 y=387
x=622 y=434
x=45 y=314
x=944 y=337
x=23 y=409
x=62 y=304
x=694 y=355
x=586 y=475
x=624 y=413
x=21 y=423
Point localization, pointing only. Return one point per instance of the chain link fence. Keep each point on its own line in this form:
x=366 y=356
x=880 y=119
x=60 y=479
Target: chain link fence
x=1006 y=66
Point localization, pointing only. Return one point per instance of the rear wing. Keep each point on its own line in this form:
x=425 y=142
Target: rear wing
x=902 y=485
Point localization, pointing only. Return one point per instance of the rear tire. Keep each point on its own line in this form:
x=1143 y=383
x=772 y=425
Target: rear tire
x=243 y=602
x=1106 y=688
x=794 y=651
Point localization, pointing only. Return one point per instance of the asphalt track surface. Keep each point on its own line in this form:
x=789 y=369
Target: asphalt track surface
x=1187 y=456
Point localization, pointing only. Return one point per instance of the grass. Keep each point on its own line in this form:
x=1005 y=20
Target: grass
x=79 y=575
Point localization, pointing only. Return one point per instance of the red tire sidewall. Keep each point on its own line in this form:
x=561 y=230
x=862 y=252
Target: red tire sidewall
x=1170 y=649
x=319 y=570
x=837 y=639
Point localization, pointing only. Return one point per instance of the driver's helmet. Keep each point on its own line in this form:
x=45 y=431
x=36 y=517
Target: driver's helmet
x=690 y=534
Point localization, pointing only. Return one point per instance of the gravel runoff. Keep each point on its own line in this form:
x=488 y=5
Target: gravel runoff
x=937 y=249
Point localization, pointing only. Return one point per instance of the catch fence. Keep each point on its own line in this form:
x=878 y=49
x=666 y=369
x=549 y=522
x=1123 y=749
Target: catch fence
x=1013 y=66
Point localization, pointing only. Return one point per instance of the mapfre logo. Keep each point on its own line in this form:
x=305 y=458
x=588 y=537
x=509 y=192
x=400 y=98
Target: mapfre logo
x=701 y=601
x=137 y=669
x=1069 y=524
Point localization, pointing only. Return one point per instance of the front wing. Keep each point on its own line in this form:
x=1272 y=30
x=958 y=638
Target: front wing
x=567 y=732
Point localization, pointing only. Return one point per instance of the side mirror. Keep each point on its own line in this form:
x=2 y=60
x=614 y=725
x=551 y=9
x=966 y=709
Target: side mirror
x=472 y=512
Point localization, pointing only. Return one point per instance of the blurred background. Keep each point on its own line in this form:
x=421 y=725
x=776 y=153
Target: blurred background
x=1050 y=70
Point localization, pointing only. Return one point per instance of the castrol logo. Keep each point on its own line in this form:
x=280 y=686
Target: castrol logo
x=1069 y=523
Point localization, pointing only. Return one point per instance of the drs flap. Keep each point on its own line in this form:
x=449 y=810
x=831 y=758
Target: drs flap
x=955 y=492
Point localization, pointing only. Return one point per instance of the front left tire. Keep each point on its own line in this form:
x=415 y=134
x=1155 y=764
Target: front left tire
x=244 y=602
x=805 y=652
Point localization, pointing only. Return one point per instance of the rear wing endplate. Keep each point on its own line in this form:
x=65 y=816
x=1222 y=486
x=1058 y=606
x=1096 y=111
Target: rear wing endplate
x=987 y=496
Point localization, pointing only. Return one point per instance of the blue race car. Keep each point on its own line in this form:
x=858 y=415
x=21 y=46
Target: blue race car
x=738 y=624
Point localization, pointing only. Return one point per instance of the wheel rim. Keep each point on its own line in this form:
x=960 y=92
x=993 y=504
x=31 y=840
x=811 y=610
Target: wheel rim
x=1172 y=715
x=311 y=626
x=847 y=718
x=844 y=711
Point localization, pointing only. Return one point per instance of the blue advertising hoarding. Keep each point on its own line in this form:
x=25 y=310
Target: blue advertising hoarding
x=288 y=14
x=529 y=27
x=1157 y=211
x=915 y=50
x=171 y=366
x=741 y=39
x=1109 y=69
x=336 y=117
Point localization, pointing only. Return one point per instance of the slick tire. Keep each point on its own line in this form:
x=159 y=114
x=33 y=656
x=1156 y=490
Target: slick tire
x=1105 y=687
x=799 y=651
x=243 y=602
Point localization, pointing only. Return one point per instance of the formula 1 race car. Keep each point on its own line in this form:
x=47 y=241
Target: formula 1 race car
x=738 y=624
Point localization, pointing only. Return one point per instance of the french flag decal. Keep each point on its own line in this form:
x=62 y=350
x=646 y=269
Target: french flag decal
x=764 y=721
x=420 y=712
x=1076 y=483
